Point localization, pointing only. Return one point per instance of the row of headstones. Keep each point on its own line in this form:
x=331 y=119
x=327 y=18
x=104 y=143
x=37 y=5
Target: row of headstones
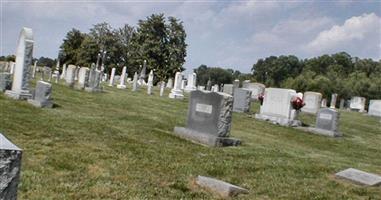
x=15 y=84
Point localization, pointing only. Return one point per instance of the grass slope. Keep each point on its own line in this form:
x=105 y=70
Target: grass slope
x=116 y=145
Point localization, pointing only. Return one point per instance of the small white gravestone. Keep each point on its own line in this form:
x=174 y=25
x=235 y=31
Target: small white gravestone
x=12 y=67
x=24 y=56
x=324 y=103
x=191 y=83
x=222 y=188
x=176 y=92
x=257 y=89
x=34 y=69
x=277 y=107
x=200 y=87
x=360 y=177
x=375 y=108
x=228 y=89
x=122 y=84
x=170 y=83
x=216 y=88
x=358 y=104
x=135 y=82
x=42 y=95
x=10 y=165
x=183 y=83
x=112 y=76
x=333 y=101
x=162 y=86
x=150 y=83
x=83 y=78
x=70 y=73
x=312 y=101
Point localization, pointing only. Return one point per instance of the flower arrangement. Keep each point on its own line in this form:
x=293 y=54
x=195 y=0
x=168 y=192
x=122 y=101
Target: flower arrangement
x=297 y=103
x=261 y=97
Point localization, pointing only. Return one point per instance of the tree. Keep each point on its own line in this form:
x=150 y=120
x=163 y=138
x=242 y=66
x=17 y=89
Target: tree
x=217 y=75
x=176 y=46
x=70 y=47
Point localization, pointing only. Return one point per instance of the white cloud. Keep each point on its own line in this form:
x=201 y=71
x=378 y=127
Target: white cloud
x=359 y=30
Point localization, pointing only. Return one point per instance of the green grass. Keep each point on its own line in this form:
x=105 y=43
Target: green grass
x=117 y=145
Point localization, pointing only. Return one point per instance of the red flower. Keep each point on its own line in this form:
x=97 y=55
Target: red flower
x=261 y=97
x=297 y=103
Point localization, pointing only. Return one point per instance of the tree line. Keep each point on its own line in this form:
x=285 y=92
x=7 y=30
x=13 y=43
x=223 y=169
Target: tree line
x=157 y=39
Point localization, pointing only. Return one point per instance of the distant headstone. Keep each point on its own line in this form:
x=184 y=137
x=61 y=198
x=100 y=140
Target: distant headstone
x=216 y=88
x=143 y=74
x=209 y=85
x=12 y=67
x=63 y=73
x=242 y=100
x=122 y=83
x=83 y=78
x=176 y=92
x=150 y=83
x=333 y=101
x=221 y=188
x=358 y=104
x=170 y=83
x=34 y=69
x=94 y=83
x=10 y=167
x=24 y=56
x=5 y=81
x=360 y=177
x=327 y=123
x=200 y=87
x=324 y=103
x=235 y=84
x=256 y=88
x=135 y=82
x=312 y=101
x=162 y=87
x=209 y=119
x=375 y=108
x=228 y=89
x=342 y=103
x=277 y=107
x=70 y=73
x=191 y=83
x=42 y=95
x=183 y=83
x=112 y=76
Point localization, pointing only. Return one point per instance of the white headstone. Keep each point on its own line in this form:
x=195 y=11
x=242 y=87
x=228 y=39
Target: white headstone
x=375 y=108
x=70 y=74
x=191 y=83
x=83 y=77
x=112 y=76
x=150 y=83
x=135 y=82
x=215 y=88
x=257 y=89
x=170 y=83
x=312 y=101
x=122 y=83
x=358 y=104
x=333 y=101
x=34 y=69
x=176 y=92
x=162 y=86
x=24 y=56
x=183 y=83
x=63 y=74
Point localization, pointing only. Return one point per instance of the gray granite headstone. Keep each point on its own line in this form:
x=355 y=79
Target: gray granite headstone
x=209 y=119
x=94 y=81
x=360 y=177
x=5 y=81
x=242 y=100
x=327 y=122
x=222 y=188
x=10 y=167
x=42 y=96
x=228 y=89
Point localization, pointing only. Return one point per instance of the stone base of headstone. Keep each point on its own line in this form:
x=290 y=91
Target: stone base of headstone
x=10 y=167
x=321 y=131
x=189 y=89
x=205 y=139
x=24 y=95
x=90 y=89
x=360 y=177
x=278 y=120
x=121 y=86
x=176 y=95
x=221 y=188
x=39 y=104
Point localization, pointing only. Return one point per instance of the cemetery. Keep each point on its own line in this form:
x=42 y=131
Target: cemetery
x=133 y=123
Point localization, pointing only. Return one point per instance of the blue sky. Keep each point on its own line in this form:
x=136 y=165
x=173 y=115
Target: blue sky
x=229 y=34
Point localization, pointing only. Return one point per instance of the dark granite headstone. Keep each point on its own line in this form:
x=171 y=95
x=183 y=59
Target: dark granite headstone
x=5 y=81
x=242 y=100
x=42 y=95
x=10 y=167
x=209 y=119
x=327 y=119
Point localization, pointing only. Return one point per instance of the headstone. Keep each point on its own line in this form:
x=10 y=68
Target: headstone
x=327 y=123
x=47 y=74
x=63 y=73
x=170 y=83
x=200 y=87
x=245 y=83
x=12 y=67
x=235 y=84
x=76 y=72
x=358 y=104
x=176 y=92
x=42 y=95
x=360 y=177
x=5 y=81
x=56 y=75
x=162 y=86
x=183 y=83
x=277 y=108
x=94 y=83
x=312 y=101
x=256 y=88
x=209 y=85
x=323 y=103
x=228 y=89
x=375 y=108
x=342 y=103
x=191 y=83
x=221 y=188
x=150 y=83
x=122 y=83
x=112 y=76
x=242 y=100
x=135 y=82
x=24 y=56
x=10 y=167
x=209 y=119
x=83 y=78
x=34 y=69
x=143 y=74
x=216 y=88
x=70 y=74
x=333 y=101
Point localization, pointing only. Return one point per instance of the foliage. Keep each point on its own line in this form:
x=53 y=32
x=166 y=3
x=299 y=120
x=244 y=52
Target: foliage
x=216 y=75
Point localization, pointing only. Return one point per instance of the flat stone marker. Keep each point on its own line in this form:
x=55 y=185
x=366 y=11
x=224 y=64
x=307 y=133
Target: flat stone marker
x=10 y=167
x=221 y=188
x=360 y=177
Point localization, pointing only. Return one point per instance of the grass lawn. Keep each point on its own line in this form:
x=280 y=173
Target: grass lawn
x=117 y=145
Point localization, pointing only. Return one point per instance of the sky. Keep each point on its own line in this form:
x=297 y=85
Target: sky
x=228 y=34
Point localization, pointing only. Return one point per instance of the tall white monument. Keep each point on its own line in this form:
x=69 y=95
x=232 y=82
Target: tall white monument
x=122 y=83
x=176 y=92
x=112 y=77
x=24 y=55
x=150 y=83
